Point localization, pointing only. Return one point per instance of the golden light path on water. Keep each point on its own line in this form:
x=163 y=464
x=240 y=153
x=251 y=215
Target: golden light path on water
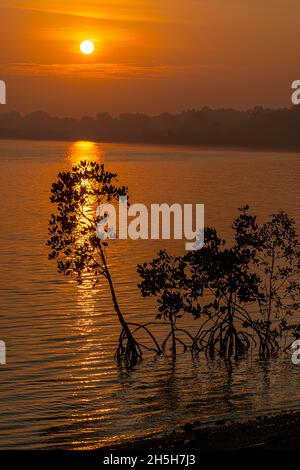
x=84 y=150
x=87 y=297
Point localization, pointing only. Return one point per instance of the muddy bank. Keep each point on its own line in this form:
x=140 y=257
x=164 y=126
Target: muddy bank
x=281 y=432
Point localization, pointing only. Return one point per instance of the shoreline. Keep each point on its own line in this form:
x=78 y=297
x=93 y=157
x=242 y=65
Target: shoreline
x=275 y=432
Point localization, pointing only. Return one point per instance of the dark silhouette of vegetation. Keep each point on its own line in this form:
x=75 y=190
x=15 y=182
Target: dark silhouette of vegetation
x=276 y=256
x=243 y=295
x=256 y=128
x=164 y=278
x=76 y=248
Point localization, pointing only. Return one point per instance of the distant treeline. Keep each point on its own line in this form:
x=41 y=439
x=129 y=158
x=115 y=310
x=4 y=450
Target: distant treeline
x=258 y=127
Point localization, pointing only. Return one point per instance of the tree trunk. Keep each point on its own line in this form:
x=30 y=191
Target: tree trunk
x=132 y=351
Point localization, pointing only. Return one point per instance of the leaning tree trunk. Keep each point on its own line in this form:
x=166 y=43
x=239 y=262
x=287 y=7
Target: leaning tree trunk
x=173 y=348
x=128 y=349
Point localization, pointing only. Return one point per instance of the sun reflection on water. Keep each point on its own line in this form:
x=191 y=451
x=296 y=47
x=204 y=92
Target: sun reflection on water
x=83 y=150
x=86 y=295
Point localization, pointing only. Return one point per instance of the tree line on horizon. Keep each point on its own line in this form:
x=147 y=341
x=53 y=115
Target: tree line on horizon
x=258 y=127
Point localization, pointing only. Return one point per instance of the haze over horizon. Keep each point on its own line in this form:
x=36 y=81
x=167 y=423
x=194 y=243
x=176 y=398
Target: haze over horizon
x=150 y=56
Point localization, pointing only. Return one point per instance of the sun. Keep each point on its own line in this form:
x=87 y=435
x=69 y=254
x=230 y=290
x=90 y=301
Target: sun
x=87 y=47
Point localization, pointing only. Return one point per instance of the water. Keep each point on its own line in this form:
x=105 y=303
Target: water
x=61 y=386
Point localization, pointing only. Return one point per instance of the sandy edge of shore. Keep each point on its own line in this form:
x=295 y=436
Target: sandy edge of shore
x=276 y=432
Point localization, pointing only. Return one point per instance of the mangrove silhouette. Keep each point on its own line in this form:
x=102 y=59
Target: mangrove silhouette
x=241 y=296
x=244 y=295
x=254 y=128
x=77 y=249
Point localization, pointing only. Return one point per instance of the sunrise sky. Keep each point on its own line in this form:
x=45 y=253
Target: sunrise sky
x=150 y=55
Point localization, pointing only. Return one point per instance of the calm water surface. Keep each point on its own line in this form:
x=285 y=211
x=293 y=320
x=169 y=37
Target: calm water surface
x=61 y=387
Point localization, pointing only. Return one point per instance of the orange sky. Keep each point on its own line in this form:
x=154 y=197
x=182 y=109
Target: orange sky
x=151 y=55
